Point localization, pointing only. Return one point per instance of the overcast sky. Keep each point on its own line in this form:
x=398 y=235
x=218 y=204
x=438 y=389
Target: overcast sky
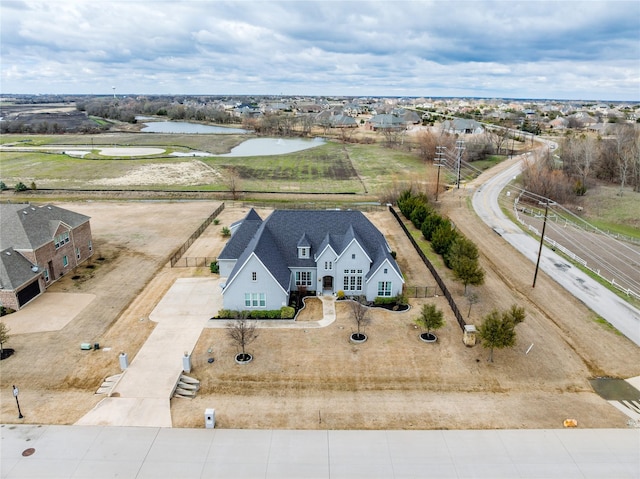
x=530 y=49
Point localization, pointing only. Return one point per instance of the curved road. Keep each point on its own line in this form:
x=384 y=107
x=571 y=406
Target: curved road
x=623 y=316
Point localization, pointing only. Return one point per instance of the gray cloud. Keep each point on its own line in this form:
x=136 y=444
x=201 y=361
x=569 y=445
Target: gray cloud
x=532 y=49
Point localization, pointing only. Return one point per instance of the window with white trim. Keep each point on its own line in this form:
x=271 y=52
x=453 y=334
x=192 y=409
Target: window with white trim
x=328 y=265
x=303 y=252
x=78 y=253
x=65 y=261
x=61 y=239
x=254 y=276
x=46 y=275
x=384 y=288
x=255 y=300
x=90 y=246
x=352 y=280
x=303 y=278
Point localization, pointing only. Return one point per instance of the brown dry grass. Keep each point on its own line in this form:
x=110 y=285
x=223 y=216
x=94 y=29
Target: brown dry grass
x=314 y=378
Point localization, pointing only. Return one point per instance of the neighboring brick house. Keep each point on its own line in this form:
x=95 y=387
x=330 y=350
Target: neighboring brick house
x=321 y=251
x=39 y=244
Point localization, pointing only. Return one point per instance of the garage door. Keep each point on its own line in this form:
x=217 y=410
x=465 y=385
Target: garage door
x=27 y=294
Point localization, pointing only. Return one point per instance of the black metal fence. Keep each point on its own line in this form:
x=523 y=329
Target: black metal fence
x=443 y=287
x=194 y=261
x=421 y=291
x=196 y=234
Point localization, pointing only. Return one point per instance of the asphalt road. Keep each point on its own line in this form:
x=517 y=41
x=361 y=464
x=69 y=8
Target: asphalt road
x=623 y=316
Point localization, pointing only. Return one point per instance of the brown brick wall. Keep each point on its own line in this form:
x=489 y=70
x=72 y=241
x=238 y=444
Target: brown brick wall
x=78 y=238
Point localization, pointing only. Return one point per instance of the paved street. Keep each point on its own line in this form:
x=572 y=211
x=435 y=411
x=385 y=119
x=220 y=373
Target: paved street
x=150 y=452
x=616 y=311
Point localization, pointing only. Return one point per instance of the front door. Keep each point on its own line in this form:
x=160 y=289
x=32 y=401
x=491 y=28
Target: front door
x=327 y=283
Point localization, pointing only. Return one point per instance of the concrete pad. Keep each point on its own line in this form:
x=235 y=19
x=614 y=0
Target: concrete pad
x=136 y=412
x=49 y=312
x=189 y=298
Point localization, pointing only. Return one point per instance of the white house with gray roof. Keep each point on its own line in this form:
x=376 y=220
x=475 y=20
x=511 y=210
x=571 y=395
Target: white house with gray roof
x=317 y=251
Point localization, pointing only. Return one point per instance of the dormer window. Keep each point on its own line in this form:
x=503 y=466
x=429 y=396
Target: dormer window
x=304 y=247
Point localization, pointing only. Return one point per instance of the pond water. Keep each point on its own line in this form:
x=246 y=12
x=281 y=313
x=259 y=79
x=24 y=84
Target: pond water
x=273 y=146
x=186 y=127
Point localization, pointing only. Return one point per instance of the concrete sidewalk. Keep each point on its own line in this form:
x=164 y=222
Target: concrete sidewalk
x=131 y=452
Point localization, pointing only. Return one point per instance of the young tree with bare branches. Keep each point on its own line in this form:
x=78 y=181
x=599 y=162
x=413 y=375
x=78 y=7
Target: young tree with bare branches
x=360 y=315
x=243 y=333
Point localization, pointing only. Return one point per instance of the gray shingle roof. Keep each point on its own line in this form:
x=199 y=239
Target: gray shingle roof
x=276 y=240
x=242 y=236
x=27 y=227
x=15 y=270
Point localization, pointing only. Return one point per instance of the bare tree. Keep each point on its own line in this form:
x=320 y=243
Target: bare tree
x=360 y=314
x=472 y=298
x=498 y=137
x=243 y=333
x=232 y=181
x=625 y=141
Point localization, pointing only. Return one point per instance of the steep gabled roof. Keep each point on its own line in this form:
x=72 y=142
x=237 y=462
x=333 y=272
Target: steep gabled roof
x=27 y=227
x=243 y=234
x=275 y=242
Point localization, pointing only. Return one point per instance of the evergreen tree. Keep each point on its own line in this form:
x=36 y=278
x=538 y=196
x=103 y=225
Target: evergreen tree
x=497 y=331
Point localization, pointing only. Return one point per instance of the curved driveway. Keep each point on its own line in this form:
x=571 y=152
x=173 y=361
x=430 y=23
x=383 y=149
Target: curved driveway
x=607 y=304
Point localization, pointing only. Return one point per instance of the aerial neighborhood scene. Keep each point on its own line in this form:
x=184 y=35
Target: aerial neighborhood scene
x=320 y=239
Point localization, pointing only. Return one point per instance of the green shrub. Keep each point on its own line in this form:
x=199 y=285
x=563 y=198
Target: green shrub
x=287 y=312
x=225 y=231
x=380 y=300
x=20 y=186
x=216 y=221
x=215 y=267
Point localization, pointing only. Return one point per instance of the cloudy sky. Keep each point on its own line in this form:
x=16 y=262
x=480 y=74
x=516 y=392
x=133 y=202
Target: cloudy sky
x=509 y=49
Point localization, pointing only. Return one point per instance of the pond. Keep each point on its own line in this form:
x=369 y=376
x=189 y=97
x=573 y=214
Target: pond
x=186 y=127
x=273 y=146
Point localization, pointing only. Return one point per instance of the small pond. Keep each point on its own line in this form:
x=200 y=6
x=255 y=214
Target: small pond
x=186 y=127
x=273 y=146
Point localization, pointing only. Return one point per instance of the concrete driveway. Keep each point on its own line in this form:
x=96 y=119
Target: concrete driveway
x=141 y=396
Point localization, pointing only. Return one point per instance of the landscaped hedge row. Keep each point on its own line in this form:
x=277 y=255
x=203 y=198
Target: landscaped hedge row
x=439 y=231
x=286 y=312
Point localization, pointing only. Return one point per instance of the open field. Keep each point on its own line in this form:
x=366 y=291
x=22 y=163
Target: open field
x=316 y=378
x=330 y=168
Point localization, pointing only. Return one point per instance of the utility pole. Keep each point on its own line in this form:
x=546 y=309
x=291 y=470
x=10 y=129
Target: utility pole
x=544 y=226
x=439 y=155
x=459 y=149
